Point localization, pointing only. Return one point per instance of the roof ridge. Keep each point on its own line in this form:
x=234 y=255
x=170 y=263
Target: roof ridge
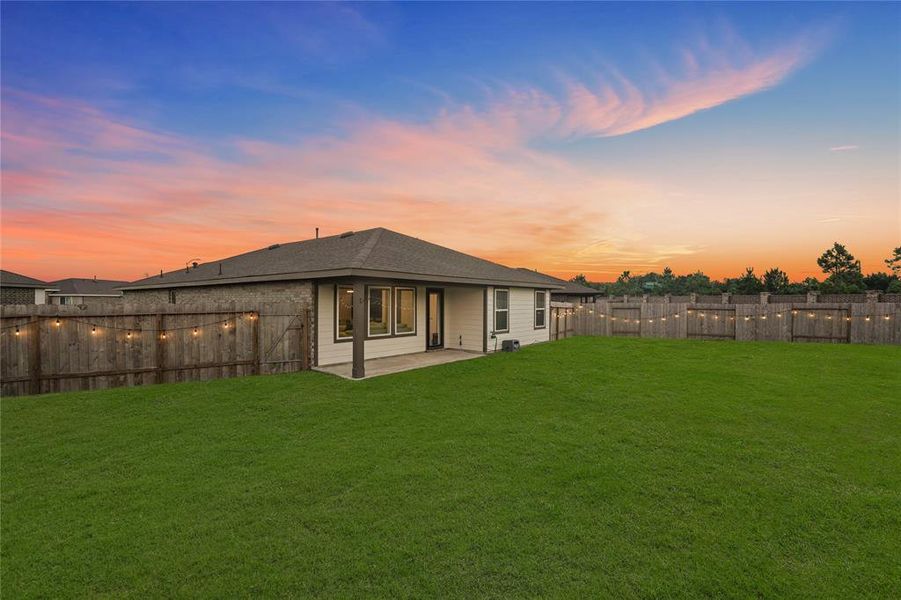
x=366 y=250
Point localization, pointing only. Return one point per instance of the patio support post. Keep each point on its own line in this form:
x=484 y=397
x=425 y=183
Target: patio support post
x=359 y=335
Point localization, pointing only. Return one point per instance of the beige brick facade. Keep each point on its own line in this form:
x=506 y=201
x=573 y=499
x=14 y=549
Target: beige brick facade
x=269 y=291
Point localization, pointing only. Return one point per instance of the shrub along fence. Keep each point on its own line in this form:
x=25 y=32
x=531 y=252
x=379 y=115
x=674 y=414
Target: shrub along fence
x=835 y=322
x=49 y=348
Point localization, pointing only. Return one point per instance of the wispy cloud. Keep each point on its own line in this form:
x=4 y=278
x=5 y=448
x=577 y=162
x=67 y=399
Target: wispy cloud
x=847 y=148
x=82 y=186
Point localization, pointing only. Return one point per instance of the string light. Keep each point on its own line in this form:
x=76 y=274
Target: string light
x=128 y=335
x=811 y=316
x=867 y=318
x=763 y=317
x=57 y=323
x=17 y=330
x=163 y=335
x=94 y=330
x=779 y=315
x=887 y=317
x=196 y=332
x=225 y=325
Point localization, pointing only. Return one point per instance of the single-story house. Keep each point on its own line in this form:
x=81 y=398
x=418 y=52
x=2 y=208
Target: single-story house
x=570 y=291
x=77 y=290
x=374 y=293
x=21 y=289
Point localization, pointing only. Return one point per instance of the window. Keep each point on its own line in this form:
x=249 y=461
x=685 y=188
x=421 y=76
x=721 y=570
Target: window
x=379 y=311
x=501 y=311
x=344 y=312
x=171 y=296
x=540 y=309
x=404 y=311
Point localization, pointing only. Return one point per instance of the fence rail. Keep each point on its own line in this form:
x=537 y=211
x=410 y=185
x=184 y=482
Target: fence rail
x=837 y=322
x=50 y=348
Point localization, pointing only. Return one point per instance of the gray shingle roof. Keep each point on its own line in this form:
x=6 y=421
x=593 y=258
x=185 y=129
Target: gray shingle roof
x=10 y=279
x=569 y=287
x=76 y=286
x=375 y=252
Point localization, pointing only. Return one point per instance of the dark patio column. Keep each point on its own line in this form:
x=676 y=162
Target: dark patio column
x=360 y=319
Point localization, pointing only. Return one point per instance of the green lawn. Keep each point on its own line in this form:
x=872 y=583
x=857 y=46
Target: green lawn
x=589 y=467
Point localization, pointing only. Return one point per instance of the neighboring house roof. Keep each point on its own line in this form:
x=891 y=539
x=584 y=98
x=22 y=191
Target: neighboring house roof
x=10 y=279
x=569 y=287
x=76 y=286
x=375 y=252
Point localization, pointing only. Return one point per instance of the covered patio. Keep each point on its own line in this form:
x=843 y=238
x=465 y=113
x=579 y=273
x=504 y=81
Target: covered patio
x=396 y=364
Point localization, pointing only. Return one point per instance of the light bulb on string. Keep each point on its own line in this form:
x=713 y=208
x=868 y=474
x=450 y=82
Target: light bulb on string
x=17 y=330
x=57 y=323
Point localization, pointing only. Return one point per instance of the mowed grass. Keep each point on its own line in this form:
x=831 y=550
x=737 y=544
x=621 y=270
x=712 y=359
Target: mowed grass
x=589 y=467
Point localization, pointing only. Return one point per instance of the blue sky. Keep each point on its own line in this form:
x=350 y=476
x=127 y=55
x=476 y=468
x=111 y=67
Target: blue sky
x=765 y=111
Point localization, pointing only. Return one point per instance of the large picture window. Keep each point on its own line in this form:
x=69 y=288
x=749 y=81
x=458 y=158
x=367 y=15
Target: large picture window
x=501 y=311
x=404 y=311
x=379 y=311
x=540 y=309
x=344 y=312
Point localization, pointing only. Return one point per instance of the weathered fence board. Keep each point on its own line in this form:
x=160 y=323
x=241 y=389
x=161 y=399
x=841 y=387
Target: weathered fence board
x=66 y=348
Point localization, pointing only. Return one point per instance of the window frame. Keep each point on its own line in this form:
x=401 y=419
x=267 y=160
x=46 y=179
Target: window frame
x=338 y=336
x=505 y=310
x=390 y=332
x=396 y=292
x=542 y=309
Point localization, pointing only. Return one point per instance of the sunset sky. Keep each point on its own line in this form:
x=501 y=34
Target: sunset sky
x=570 y=138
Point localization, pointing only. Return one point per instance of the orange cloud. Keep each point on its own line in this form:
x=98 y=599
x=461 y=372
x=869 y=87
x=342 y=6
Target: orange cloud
x=86 y=192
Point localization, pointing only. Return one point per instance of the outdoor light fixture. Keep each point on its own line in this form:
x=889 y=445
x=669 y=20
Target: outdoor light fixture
x=163 y=336
x=128 y=335
x=93 y=329
x=17 y=330
x=57 y=322
x=196 y=331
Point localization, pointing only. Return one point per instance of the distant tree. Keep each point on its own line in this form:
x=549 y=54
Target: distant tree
x=580 y=278
x=837 y=261
x=878 y=281
x=775 y=280
x=747 y=283
x=624 y=277
x=894 y=287
x=843 y=270
x=894 y=262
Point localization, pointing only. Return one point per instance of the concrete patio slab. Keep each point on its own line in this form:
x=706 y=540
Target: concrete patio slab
x=396 y=364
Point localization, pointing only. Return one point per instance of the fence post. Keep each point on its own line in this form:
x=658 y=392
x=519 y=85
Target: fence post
x=667 y=298
x=764 y=297
x=160 y=348
x=305 y=341
x=255 y=332
x=812 y=297
x=727 y=298
x=34 y=327
x=692 y=298
x=872 y=296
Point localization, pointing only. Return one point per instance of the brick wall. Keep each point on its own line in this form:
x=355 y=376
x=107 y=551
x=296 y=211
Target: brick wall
x=14 y=295
x=269 y=291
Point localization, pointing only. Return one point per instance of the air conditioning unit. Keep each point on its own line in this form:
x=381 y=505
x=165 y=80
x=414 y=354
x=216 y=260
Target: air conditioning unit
x=510 y=345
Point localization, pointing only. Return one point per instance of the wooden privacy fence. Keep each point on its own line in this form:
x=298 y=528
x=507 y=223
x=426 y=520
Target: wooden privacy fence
x=856 y=323
x=51 y=348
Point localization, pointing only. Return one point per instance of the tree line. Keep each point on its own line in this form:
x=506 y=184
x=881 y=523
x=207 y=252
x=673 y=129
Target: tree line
x=842 y=272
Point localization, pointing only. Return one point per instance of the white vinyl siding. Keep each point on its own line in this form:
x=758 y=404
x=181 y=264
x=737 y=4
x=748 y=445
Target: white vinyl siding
x=463 y=318
x=522 y=319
